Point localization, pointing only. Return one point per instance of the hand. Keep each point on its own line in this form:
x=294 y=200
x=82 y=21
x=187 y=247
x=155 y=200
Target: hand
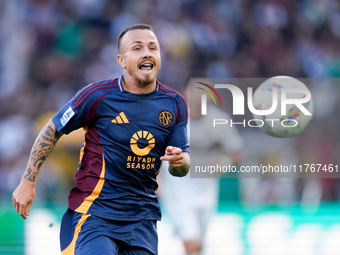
x=23 y=198
x=174 y=155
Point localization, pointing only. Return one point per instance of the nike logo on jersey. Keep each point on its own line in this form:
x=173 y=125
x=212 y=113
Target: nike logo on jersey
x=121 y=118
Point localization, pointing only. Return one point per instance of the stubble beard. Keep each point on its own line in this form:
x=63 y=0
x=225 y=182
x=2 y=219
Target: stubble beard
x=141 y=81
x=144 y=83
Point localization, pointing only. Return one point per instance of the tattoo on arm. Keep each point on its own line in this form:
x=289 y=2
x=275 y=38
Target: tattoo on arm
x=42 y=148
x=29 y=175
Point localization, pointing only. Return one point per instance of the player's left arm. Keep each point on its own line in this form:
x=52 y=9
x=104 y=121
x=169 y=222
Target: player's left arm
x=179 y=161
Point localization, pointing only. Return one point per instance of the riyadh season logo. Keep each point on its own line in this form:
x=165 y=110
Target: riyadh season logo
x=281 y=106
x=142 y=142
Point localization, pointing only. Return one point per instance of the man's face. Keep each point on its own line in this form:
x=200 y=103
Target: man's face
x=140 y=56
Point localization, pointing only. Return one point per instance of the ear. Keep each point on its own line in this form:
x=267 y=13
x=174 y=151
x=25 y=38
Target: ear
x=121 y=61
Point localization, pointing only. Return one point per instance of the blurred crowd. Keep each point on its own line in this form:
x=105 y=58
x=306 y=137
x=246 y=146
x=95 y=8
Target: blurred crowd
x=49 y=49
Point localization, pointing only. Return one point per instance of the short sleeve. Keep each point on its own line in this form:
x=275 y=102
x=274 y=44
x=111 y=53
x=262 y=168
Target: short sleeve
x=179 y=136
x=79 y=112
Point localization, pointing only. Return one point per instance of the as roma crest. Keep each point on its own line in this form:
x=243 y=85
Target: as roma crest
x=165 y=117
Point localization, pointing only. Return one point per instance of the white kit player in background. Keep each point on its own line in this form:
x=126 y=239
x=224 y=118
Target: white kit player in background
x=191 y=202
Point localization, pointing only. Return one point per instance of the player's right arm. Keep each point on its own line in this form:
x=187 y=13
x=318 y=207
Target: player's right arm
x=24 y=194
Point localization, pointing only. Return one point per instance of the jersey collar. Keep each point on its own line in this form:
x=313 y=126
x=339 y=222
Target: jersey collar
x=132 y=95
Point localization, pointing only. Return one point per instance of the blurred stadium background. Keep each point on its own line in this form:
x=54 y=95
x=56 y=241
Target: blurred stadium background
x=50 y=49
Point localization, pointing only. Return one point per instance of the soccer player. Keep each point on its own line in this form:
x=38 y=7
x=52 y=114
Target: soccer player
x=132 y=124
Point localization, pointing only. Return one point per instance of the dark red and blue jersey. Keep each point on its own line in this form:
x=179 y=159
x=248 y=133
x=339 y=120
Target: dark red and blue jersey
x=125 y=135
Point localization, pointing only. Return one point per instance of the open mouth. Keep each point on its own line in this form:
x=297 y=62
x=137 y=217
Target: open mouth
x=146 y=67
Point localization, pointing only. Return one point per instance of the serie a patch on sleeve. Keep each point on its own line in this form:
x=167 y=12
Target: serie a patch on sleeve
x=67 y=116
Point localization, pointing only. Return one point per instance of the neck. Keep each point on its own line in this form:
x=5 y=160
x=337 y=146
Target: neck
x=138 y=88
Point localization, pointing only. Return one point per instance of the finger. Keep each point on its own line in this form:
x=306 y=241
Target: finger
x=14 y=202
x=17 y=207
x=165 y=158
x=173 y=151
x=28 y=208
x=176 y=157
x=22 y=210
x=173 y=157
x=168 y=150
x=175 y=162
x=177 y=151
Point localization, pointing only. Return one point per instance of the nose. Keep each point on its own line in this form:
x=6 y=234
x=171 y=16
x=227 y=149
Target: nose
x=146 y=52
